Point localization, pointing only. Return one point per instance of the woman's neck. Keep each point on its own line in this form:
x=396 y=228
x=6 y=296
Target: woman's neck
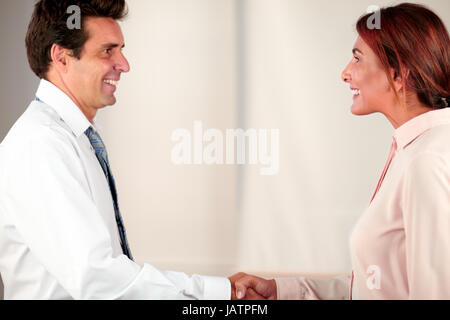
x=400 y=114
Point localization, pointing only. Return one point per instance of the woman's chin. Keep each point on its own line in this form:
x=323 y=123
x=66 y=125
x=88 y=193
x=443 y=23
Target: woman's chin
x=359 y=110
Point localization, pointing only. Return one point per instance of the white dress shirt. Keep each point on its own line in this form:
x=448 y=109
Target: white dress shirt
x=58 y=233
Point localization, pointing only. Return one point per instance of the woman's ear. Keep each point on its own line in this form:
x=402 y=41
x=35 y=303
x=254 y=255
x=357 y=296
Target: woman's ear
x=398 y=79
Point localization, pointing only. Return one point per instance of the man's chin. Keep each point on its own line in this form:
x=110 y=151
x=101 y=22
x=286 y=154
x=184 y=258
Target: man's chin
x=109 y=101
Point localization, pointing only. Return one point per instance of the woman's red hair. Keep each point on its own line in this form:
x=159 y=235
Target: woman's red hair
x=414 y=42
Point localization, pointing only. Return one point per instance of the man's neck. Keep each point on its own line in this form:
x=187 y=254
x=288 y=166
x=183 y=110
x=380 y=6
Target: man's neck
x=57 y=81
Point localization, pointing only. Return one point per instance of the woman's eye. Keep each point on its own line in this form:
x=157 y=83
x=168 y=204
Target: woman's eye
x=106 y=50
x=356 y=58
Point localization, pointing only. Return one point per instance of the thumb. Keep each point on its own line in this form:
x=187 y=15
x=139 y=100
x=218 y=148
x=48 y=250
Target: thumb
x=241 y=288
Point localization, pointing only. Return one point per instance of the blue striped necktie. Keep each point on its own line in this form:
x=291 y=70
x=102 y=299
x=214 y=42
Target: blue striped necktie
x=102 y=156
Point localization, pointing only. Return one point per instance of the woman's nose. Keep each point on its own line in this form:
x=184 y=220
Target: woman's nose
x=345 y=76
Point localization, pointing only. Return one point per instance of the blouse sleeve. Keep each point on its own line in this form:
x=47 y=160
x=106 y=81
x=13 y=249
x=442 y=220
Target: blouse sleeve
x=302 y=288
x=426 y=214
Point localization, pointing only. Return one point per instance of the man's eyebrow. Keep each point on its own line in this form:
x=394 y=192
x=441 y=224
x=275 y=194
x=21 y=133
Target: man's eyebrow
x=111 y=45
x=357 y=50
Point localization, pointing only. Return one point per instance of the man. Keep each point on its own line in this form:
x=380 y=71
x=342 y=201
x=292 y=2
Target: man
x=61 y=231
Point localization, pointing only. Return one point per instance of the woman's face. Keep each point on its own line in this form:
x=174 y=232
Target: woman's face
x=368 y=81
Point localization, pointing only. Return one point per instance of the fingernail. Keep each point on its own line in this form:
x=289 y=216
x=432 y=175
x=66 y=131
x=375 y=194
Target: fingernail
x=240 y=294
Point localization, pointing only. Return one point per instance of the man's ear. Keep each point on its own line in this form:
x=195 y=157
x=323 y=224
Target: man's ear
x=60 y=56
x=397 y=78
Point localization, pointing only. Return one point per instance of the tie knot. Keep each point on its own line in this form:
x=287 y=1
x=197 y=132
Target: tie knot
x=89 y=132
x=96 y=142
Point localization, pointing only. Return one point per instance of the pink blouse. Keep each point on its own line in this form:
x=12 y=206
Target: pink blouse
x=400 y=247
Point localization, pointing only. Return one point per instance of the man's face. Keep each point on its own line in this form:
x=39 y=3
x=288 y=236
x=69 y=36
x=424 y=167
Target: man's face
x=93 y=78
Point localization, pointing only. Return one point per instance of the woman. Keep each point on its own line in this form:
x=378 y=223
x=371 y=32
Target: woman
x=400 y=246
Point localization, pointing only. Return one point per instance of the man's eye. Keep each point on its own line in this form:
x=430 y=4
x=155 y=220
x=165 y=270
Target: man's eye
x=107 y=50
x=356 y=58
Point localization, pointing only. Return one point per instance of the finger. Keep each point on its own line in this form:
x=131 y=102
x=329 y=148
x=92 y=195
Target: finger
x=242 y=284
x=261 y=286
x=253 y=295
x=233 y=279
x=238 y=275
x=241 y=291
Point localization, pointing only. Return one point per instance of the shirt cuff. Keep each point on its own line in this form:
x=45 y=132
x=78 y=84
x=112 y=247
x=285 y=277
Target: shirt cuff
x=216 y=288
x=289 y=289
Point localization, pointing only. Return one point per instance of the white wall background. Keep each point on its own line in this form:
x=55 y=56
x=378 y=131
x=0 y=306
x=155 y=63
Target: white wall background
x=232 y=63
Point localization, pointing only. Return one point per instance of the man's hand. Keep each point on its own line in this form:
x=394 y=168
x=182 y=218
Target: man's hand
x=248 y=287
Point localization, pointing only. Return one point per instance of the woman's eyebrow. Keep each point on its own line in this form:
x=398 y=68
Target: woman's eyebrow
x=357 y=50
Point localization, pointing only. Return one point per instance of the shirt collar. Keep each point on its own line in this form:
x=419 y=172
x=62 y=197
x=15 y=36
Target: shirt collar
x=415 y=127
x=69 y=112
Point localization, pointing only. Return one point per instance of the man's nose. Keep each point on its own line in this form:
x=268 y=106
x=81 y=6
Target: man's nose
x=122 y=64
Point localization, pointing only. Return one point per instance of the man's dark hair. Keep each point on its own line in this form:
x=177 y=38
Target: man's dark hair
x=48 y=25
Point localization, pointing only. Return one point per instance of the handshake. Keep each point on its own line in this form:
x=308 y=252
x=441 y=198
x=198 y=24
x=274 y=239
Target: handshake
x=248 y=287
